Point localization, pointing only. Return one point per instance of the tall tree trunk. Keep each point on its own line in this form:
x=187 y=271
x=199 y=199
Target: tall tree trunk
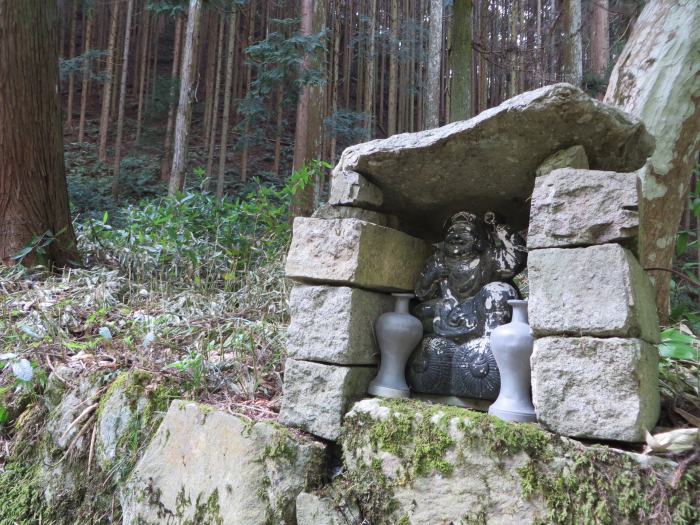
x=122 y=101
x=369 y=69
x=215 y=106
x=600 y=38
x=87 y=72
x=166 y=161
x=71 y=75
x=212 y=40
x=461 y=61
x=573 y=44
x=308 y=136
x=432 y=82
x=33 y=193
x=228 y=86
x=657 y=78
x=143 y=61
x=393 y=68
x=107 y=86
x=248 y=80
x=184 y=107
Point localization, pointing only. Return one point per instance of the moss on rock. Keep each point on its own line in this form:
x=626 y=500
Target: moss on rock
x=392 y=447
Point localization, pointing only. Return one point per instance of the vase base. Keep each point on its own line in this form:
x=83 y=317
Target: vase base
x=385 y=391
x=509 y=415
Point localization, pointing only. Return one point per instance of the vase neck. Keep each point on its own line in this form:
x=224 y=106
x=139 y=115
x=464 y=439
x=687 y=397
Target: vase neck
x=401 y=306
x=519 y=312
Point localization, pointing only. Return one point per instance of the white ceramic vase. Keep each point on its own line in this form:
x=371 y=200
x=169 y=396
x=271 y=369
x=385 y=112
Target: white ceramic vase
x=511 y=345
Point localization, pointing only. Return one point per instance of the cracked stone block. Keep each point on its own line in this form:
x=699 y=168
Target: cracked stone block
x=207 y=466
x=573 y=157
x=584 y=207
x=600 y=291
x=317 y=396
x=349 y=188
x=355 y=253
x=587 y=387
x=335 y=324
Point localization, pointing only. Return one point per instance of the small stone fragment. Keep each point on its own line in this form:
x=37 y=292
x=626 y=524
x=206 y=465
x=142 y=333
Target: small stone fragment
x=584 y=207
x=335 y=324
x=573 y=157
x=599 y=291
x=317 y=510
x=208 y=466
x=317 y=396
x=596 y=388
x=349 y=188
x=350 y=212
x=356 y=253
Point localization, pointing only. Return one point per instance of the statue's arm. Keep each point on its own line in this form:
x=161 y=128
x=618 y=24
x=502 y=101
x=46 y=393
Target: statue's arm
x=428 y=284
x=510 y=251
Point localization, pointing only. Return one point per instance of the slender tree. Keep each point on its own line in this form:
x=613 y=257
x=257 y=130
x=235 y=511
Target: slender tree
x=166 y=161
x=573 y=43
x=393 y=68
x=600 y=37
x=122 y=101
x=657 y=78
x=71 y=75
x=308 y=139
x=432 y=84
x=230 y=54
x=107 y=86
x=184 y=107
x=87 y=73
x=33 y=193
x=461 y=61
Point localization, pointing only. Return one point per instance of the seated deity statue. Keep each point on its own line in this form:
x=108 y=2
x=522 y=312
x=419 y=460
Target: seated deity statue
x=464 y=291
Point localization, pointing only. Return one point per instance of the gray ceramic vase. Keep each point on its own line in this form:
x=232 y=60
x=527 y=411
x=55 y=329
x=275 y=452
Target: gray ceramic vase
x=511 y=345
x=397 y=333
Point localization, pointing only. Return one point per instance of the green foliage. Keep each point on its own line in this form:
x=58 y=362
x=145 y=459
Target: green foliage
x=198 y=240
x=38 y=247
x=28 y=380
x=675 y=344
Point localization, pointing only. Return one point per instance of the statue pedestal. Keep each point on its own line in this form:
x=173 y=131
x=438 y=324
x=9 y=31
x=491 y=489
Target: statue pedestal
x=482 y=405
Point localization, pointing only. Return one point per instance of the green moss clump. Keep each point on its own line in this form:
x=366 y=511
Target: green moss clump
x=21 y=500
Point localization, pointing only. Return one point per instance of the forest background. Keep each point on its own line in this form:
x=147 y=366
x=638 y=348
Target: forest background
x=192 y=132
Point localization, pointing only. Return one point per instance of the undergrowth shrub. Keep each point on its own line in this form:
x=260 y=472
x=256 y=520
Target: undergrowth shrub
x=196 y=239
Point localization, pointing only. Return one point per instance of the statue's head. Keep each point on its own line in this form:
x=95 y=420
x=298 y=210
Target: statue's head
x=464 y=234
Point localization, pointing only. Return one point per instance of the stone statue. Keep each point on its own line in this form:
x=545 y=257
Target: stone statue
x=464 y=292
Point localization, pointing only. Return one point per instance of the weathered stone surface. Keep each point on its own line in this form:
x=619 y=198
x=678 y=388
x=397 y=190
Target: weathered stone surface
x=416 y=463
x=573 y=157
x=600 y=291
x=488 y=163
x=350 y=212
x=335 y=324
x=596 y=388
x=318 y=510
x=349 y=188
x=584 y=207
x=207 y=466
x=317 y=396
x=120 y=407
x=354 y=252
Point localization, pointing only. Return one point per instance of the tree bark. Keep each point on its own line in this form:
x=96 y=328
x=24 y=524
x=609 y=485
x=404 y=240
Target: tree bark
x=657 y=78
x=461 y=61
x=432 y=82
x=107 y=86
x=86 y=76
x=600 y=38
x=393 y=68
x=71 y=75
x=308 y=137
x=122 y=101
x=33 y=192
x=369 y=69
x=573 y=45
x=184 y=107
x=166 y=161
x=230 y=53
x=215 y=106
x=143 y=61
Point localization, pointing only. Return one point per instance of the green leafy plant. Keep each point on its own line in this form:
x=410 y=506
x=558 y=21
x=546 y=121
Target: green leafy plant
x=38 y=246
x=679 y=344
x=27 y=378
x=194 y=366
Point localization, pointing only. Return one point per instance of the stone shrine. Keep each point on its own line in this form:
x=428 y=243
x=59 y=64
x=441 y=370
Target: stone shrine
x=553 y=162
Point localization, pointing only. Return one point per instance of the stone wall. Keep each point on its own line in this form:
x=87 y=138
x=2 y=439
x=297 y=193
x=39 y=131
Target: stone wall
x=591 y=307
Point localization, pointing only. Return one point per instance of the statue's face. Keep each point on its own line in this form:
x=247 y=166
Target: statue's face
x=460 y=240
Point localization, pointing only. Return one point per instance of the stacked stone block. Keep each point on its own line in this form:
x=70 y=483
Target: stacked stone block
x=345 y=261
x=592 y=310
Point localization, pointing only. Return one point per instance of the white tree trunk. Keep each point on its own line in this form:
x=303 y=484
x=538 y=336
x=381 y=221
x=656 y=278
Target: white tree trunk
x=432 y=83
x=184 y=107
x=573 y=46
x=657 y=78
